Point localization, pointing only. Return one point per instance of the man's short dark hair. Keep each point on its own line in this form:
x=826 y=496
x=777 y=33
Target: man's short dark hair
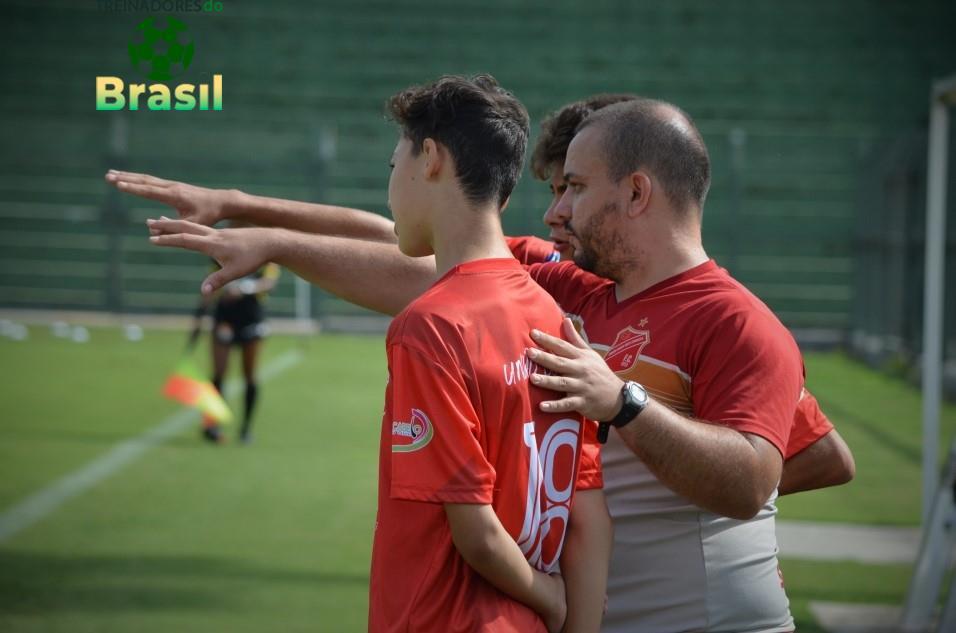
x=659 y=137
x=484 y=128
x=559 y=127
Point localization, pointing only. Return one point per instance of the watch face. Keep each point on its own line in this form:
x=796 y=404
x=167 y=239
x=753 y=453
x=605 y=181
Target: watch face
x=637 y=393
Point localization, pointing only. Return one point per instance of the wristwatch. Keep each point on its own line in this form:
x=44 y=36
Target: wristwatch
x=634 y=401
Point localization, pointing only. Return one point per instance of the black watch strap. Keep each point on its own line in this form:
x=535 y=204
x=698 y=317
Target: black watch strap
x=633 y=401
x=603 y=428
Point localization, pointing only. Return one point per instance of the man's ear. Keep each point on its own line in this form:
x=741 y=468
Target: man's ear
x=434 y=157
x=640 y=188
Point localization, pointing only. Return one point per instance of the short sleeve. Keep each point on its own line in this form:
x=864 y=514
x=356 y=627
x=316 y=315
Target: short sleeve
x=436 y=453
x=570 y=286
x=747 y=374
x=528 y=249
x=590 y=475
x=809 y=424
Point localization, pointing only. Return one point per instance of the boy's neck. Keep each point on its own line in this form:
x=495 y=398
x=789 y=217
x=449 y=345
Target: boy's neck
x=463 y=234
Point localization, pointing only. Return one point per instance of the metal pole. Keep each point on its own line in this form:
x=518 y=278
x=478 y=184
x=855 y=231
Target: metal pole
x=933 y=286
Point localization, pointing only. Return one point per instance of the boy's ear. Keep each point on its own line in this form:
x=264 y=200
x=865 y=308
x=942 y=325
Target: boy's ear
x=434 y=157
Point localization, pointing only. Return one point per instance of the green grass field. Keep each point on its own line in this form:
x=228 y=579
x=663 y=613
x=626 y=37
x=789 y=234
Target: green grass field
x=276 y=535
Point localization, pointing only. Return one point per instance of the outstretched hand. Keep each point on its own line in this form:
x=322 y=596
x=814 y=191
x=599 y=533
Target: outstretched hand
x=590 y=387
x=195 y=204
x=239 y=252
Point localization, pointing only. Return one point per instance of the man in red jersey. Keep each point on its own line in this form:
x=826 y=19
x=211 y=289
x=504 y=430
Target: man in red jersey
x=481 y=494
x=699 y=378
x=816 y=454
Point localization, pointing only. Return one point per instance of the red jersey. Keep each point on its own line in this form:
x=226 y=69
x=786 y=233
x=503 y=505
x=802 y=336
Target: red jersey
x=462 y=425
x=528 y=249
x=809 y=424
x=699 y=342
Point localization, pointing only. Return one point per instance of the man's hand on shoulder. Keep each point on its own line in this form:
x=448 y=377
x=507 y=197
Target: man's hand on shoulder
x=589 y=385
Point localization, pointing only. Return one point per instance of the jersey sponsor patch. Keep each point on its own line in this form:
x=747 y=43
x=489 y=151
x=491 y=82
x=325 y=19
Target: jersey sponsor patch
x=627 y=348
x=413 y=435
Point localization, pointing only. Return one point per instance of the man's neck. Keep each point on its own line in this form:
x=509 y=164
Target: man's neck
x=463 y=234
x=660 y=264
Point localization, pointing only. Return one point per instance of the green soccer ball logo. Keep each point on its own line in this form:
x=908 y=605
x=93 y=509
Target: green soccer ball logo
x=161 y=49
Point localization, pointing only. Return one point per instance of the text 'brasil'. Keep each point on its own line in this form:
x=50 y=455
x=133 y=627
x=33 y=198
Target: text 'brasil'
x=111 y=95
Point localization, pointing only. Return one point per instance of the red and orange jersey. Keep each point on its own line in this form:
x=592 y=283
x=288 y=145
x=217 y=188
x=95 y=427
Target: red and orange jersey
x=699 y=342
x=810 y=422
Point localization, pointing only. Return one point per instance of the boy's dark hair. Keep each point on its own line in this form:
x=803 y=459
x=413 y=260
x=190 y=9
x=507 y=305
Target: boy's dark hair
x=484 y=128
x=660 y=137
x=559 y=127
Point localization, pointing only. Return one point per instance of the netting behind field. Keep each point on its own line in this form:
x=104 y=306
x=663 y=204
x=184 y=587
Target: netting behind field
x=889 y=242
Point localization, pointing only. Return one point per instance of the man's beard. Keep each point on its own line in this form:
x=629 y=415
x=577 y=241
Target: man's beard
x=586 y=258
x=599 y=248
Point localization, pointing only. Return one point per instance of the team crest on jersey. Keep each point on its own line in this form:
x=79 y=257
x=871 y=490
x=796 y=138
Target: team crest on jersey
x=626 y=349
x=413 y=435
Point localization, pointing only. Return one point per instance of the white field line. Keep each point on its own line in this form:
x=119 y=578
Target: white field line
x=42 y=503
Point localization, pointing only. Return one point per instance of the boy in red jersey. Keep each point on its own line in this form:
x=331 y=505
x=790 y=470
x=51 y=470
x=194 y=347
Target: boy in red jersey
x=476 y=484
